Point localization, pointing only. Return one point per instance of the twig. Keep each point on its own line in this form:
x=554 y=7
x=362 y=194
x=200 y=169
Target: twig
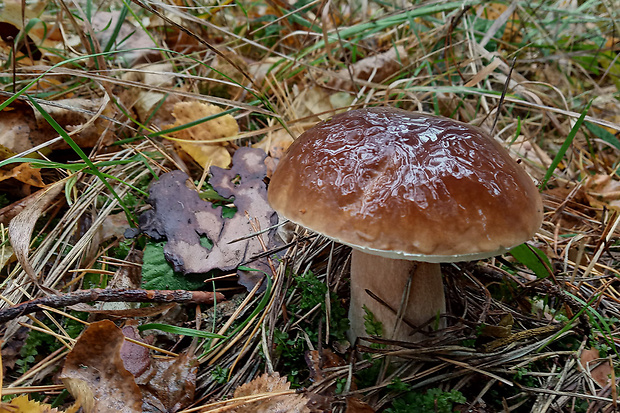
x=110 y=296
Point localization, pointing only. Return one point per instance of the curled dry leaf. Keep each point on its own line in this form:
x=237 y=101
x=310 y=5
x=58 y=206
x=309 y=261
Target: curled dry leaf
x=181 y=217
x=22 y=225
x=375 y=69
x=265 y=384
x=205 y=153
x=23 y=173
x=95 y=375
x=316 y=364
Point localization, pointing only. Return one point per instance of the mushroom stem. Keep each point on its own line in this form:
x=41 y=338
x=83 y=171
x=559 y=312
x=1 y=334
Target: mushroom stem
x=387 y=279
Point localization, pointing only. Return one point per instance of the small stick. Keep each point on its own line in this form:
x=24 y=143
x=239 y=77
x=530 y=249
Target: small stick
x=110 y=295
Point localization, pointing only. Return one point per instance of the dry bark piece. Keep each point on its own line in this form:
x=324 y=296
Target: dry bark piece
x=288 y=403
x=181 y=217
x=95 y=375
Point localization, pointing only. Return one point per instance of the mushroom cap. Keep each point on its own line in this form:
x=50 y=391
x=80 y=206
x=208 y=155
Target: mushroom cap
x=407 y=185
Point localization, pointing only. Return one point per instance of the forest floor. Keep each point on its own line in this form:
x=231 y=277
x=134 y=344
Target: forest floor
x=102 y=103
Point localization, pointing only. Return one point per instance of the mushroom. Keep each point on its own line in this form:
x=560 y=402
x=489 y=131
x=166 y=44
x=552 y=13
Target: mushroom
x=407 y=191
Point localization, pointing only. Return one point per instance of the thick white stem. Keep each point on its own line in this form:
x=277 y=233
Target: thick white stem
x=387 y=279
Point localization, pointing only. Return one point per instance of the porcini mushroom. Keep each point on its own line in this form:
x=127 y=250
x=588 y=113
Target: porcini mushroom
x=407 y=191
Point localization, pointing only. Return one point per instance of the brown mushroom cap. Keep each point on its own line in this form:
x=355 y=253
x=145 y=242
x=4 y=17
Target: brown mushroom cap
x=407 y=185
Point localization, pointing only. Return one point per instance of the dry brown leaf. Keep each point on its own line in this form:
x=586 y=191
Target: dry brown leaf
x=375 y=69
x=113 y=226
x=137 y=46
x=603 y=191
x=22 y=127
x=355 y=405
x=22 y=225
x=136 y=358
x=205 y=153
x=95 y=375
x=289 y=403
x=173 y=203
x=23 y=173
x=11 y=23
x=169 y=384
x=22 y=404
x=316 y=103
x=600 y=373
x=145 y=100
x=275 y=144
x=327 y=360
x=6 y=253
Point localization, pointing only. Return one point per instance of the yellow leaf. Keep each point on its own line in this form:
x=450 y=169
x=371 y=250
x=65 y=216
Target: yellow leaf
x=205 y=153
x=22 y=404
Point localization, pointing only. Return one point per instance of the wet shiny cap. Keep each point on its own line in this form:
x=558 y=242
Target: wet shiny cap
x=407 y=185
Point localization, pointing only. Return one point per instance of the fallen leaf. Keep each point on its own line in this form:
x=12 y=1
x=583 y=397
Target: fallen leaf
x=95 y=375
x=375 y=69
x=136 y=358
x=11 y=23
x=275 y=145
x=355 y=405
x=23 y=173
x=11 y=349
x=22 y=225
x=317 y=364
x=181 y=217
x=169 y=384
x=6 y=253
x=22 y=127
x=145 y=100
x=205 y=153
x=113 y=226
x=22 y=404
x=288 y=403
x=603 y=191
x=136 y=45
x=600 y=372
